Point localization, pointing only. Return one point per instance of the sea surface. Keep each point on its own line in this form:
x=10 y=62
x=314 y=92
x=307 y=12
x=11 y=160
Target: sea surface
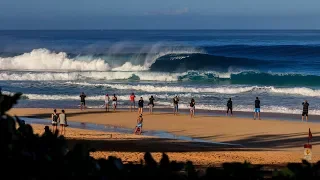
x=52 y=68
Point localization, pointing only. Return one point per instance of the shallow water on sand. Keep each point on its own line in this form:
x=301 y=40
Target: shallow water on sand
x=109 y=128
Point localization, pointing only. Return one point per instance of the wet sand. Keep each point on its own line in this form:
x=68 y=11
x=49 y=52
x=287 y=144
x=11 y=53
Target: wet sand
x=131 y=148
x=264 y=141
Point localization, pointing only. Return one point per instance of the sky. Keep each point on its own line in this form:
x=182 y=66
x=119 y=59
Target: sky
x=161 y=14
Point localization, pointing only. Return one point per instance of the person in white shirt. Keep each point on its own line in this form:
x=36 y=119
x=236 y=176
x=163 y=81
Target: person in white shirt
x=107 y=102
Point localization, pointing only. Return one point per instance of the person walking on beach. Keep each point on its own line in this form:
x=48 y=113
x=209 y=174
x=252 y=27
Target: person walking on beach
x=63 y=122
x=140 y=104
x=305 y=110
x=257 y=108
x=132 y=102
x=229 y=107
x=114 y=102
x=192 y=108
x=82 y=101
x=138 y=129
x=151 y=104
x=54 y=122
x=175 y=105
x=107 y=102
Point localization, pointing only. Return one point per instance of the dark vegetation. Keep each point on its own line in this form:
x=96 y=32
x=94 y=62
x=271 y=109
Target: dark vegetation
x=25 y=155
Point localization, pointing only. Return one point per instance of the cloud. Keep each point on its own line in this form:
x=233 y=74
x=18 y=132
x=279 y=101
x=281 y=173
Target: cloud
x=169 y=12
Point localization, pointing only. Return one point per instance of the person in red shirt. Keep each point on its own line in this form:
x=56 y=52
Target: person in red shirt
x=132 y=102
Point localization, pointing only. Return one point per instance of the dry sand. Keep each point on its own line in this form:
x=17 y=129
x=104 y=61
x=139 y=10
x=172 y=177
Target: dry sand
x=266 y=141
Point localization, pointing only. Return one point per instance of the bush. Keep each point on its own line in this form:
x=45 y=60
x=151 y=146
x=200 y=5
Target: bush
x=25 y=155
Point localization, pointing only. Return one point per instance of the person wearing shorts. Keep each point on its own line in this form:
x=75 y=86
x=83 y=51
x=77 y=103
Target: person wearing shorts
x=305 y=110
x=107 y=102
x=229 y=107
x=256 y=108
x=192 y=108
x=63 y=122
x=175 y=105
x=114 y=102
x=132 y=102
x=138 y=129
x=151 y=104
x=140 y=104
x=82 y=101
x=54 y=122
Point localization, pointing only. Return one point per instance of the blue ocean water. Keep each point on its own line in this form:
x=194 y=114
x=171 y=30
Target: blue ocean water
x=51 y=68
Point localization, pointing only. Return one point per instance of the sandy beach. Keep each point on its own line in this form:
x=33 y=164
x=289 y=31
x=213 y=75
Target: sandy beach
x=272 y=142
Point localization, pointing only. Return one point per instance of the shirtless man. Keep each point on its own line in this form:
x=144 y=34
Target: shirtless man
x=138 y=129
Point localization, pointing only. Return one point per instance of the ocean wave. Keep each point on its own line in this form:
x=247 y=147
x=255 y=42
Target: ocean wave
x=44 y=60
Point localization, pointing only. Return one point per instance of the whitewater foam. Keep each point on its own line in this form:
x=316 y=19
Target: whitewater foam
x=44 y=59
x=217 y=89
x=73 y=76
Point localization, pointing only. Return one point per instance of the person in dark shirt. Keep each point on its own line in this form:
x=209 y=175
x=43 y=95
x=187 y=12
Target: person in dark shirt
x=114 y=102
x=229 y=107
x=257 y=108
x=151 y=104
x=140 y=105
x=82 y=101
x=192 y=107
x=305 y=110
x=175 y=105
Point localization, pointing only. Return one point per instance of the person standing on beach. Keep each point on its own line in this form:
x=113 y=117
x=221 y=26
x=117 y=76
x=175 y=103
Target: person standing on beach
x=305 y=110
x=63 y=122
x=132 y=102
x=151 y=104
x=114 y=102
x=140 y=104
x=54 y=122
x=175 y=105
x=82 y=101
x=192 y=108
x=229 y=107
x=107 y=102
x=257 y=108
